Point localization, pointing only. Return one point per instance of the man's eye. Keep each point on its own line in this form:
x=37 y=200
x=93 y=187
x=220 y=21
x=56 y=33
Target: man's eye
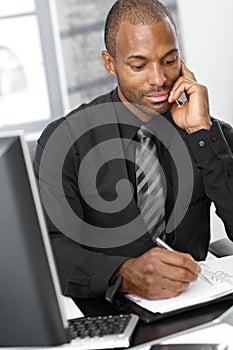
x=137 y=68
x=170 y=61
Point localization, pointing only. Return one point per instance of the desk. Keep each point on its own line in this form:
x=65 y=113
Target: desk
x=161 y=328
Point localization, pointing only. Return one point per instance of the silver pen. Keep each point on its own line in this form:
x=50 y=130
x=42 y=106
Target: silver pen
x=164 y=245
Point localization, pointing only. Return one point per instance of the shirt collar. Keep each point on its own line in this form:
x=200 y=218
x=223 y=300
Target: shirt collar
x=128 y=122
x=125 y=117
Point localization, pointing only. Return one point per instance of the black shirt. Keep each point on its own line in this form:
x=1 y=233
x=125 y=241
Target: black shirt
x=128 y=126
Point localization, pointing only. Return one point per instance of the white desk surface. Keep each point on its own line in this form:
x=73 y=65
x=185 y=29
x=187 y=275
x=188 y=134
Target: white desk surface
x=217 y=331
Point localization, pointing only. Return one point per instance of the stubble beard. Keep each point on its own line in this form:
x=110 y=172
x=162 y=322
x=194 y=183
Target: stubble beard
x=162 y=108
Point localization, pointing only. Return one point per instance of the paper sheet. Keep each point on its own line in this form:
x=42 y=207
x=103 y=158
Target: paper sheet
x=219 y=271
x=71 y=309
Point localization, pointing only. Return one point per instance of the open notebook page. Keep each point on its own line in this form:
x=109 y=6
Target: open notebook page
x=219 y=272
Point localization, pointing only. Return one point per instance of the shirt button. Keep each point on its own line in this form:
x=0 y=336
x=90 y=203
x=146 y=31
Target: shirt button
x=213 y=138
x=201 y=143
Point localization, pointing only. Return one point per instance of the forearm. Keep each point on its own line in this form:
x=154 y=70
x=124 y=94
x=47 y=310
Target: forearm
x=212 y=154
x=83 y=273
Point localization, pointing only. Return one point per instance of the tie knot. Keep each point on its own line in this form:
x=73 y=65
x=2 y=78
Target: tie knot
x=143 y=133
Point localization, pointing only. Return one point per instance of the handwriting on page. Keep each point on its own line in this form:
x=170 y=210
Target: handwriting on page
x=216 y=275
x=219 y=271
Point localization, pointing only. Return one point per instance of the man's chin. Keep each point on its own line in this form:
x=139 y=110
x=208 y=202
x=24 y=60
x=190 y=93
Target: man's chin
x=155 y=108
x=163 y=108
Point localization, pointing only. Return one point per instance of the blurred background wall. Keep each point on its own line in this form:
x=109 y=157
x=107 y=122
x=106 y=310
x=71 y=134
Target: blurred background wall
x=207 y=29
x=81 y=24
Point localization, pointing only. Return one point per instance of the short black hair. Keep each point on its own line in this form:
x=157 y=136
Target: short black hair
x=136 y=12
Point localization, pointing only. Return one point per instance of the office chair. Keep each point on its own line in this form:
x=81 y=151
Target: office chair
x=221 y=247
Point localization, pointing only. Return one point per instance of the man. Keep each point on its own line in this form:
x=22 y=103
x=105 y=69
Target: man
x=142 y=53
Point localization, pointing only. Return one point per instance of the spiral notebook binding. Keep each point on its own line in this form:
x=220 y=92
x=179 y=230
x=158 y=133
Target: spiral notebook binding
x=218 y=276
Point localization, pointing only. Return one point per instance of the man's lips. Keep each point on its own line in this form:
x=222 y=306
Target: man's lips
x=158 y=97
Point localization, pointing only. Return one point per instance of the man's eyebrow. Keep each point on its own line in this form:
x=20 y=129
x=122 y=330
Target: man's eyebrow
x=141 y=57
x=175 y=50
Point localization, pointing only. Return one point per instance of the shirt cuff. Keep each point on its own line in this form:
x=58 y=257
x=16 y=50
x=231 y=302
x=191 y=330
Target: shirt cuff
x=105 y=268
x=205 y=144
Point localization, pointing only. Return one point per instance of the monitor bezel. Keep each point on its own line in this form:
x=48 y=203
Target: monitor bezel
x=20 y=136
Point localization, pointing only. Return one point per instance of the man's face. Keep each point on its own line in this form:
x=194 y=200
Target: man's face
x=147 y=64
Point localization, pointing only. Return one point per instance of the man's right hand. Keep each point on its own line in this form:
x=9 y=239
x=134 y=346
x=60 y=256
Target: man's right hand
x=158 y=274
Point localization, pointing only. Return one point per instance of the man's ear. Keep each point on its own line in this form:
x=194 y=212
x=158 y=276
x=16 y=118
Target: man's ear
x=109 y=63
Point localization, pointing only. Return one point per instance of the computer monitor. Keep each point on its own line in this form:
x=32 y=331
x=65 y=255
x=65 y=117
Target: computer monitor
x=31 y=311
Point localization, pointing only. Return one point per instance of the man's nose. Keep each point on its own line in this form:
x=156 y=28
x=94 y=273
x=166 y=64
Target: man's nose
x=157 y=76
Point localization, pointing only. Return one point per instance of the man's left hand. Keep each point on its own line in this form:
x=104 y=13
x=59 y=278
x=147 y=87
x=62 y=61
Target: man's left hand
x=193 y=114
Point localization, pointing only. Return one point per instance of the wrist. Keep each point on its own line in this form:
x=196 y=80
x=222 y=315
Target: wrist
x=113 y=288
x=206 y=126
x=124 y=271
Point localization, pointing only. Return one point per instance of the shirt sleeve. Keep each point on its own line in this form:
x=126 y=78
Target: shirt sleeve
x=212 y=153
x=83 y=272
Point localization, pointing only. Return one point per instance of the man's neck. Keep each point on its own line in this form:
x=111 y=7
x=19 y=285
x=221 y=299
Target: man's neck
x=139 y=114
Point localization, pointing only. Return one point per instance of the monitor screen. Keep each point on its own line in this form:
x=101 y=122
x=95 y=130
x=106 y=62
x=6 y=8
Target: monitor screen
x=30 y=310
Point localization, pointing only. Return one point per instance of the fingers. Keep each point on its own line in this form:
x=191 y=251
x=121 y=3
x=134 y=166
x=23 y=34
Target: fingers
x=158 y=292
x=176 y=287
x=183 y=84
x=177 y=273
x=163 y=293
x=185 y=72
x=176 y=264
x=158 y=273
x=193 y=114
x=160 y=276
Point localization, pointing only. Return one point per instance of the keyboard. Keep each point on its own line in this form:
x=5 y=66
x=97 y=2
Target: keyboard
x=102 y=332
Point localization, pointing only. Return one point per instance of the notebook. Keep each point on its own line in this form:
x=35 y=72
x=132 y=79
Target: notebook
x=218 y=271
x=32 y=307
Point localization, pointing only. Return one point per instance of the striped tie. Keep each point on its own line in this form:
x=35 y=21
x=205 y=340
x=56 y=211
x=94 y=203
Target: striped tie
x=150 y=187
